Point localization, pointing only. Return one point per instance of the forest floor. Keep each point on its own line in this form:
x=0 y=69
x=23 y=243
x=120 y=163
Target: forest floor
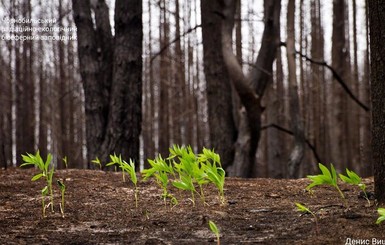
x=100 y=209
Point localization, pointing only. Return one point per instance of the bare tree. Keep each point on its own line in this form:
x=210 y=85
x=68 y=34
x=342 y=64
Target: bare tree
x=250 y=87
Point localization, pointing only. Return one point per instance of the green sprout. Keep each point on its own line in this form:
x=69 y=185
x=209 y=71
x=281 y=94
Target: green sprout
x=353 y=179
x=46 y=170
x=213 y=168
x=303 y=209
x=62 y=190
x=193 y=170
x=187 y=168
x=215 y=230
x=128 y=168
x=186 y=183
x=326 y=178
x=381 y=218
x=97 y=162
x=44 y=193
x=161 y=170
x=65 y=160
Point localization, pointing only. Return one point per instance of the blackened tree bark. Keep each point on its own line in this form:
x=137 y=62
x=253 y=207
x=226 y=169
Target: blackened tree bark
x=339 y=56
x=111 y=70
x=218 y=85
x=124 y=120
x=25 y=116
x=251 y=87
x=377 y=52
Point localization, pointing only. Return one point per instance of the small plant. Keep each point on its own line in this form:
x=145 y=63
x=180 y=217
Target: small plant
x=303 y=209
x=128 y=168
x=215 y=230
x=46 y=170
x=188 y=169
x=65 y=161
x=97 y=162
x=215 y=173
x=161 y=170
x=326 y=178
x=381 y=218
x=193 y=170
x=62 y=191
x=44 y=193
x=353 y=179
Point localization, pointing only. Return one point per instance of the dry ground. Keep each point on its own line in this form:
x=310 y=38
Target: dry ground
x=100 y=209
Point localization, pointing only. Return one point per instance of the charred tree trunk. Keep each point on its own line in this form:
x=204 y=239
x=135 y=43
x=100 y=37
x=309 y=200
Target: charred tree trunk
x=218 y=86
x=111 y=71
x=377 y=52
x=252 y=87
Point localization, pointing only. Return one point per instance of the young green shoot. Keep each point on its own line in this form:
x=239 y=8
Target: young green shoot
x=215 y=230
x=44 y=193
x=46 y=170
x=353 y=179
x=303 y=209
x=65 y=161
x=186 y=183
x=128 y=168
x=213 y=168
x=326 y=178
x=161 y=170
x=97 y=162
x=187 y=168
x=115 y=160
x=62 y=191
x=381 y=218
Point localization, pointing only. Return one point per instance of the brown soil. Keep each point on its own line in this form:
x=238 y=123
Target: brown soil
x=100 y=209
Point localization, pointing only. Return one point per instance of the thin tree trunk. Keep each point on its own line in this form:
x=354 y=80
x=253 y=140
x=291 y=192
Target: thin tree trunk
x=297 y=153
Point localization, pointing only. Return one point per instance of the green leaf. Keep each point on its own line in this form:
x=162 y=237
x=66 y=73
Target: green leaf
x=213 y=228
x=334 y=175
x=48 y=161
x=132 y=172
x=381 y=211
x=181 y=185
x=27 y=163
x=325 y=171
x=302 y=208
x=37 y=176
x=44 y=191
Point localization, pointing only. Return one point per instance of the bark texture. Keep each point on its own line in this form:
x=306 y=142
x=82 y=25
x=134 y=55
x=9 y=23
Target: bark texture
x=218 y=87
x=377 y=52
x=111 y=70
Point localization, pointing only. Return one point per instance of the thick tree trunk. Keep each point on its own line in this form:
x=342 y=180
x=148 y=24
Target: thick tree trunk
x=377 y=52
x=96 y=95
x=218 y=86
x=111 y=76
x=124 y=121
